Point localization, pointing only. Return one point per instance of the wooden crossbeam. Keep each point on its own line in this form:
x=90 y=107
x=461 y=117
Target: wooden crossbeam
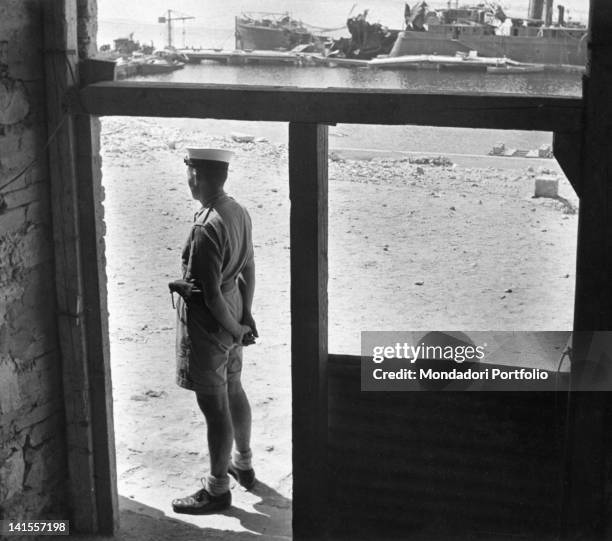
x=332 y=105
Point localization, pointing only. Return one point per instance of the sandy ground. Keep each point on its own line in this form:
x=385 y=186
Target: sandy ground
x=410 y=247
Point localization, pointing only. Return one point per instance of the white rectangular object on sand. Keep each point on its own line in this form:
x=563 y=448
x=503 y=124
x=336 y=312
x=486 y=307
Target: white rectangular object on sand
x=546 y=186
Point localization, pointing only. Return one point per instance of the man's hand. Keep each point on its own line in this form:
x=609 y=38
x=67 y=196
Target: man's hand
x=246 y=336
x=247 y=319
x=185 y=288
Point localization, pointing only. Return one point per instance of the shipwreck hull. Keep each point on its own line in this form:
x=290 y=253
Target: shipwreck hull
x=258 y=37
x=417 y=43
x=531 y=49
x=255 y=37
x=558 y=51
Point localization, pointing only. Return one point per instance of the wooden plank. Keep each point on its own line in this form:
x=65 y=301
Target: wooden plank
x=567 y=148
x=333 y=105
x=94 y=70
x=93 y=265
x=60 y=23
x=585 y=453
x=308 y=146
x=593 y=310
x=407 y=445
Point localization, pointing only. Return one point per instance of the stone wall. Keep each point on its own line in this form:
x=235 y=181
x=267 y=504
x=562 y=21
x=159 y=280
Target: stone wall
x=32 y=449
x=33 y=464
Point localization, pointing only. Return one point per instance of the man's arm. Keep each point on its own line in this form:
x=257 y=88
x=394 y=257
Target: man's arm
x=218 y=308
x=247 y=290
x=205 y=264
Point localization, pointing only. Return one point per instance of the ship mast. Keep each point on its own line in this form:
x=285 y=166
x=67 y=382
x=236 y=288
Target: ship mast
x=169 y=19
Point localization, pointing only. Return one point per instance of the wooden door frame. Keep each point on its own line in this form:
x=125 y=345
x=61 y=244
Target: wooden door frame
x=580 y=127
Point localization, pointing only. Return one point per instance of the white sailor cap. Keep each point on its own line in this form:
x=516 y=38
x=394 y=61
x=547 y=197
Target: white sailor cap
x=208 y=155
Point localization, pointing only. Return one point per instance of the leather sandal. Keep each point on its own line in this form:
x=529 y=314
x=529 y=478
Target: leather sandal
x=245 y=478
x=202 y=503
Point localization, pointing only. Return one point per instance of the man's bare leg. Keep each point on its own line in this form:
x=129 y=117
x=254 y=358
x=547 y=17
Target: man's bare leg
x=241 y=467
x=240 y=410
x=219 y=431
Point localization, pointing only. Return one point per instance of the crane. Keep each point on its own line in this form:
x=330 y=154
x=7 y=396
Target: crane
x=170 y=17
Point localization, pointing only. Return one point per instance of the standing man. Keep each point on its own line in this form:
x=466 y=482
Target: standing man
x=214 y=321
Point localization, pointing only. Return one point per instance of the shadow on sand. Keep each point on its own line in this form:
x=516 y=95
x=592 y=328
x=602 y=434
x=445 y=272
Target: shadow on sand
x=269 y=520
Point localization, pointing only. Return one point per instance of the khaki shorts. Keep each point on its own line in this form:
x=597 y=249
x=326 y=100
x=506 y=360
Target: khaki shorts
x=206 y=361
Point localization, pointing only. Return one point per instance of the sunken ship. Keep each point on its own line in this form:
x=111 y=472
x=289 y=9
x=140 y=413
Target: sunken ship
x=485 y=28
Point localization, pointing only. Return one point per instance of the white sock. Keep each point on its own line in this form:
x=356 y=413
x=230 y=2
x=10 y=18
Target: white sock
x=242 y=461
x=217 y=485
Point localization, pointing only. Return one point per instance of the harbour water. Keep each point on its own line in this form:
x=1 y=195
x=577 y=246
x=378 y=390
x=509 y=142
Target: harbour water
x=549 y=83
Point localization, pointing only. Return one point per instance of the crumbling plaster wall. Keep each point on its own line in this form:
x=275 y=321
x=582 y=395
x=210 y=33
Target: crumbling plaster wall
x=33 y=464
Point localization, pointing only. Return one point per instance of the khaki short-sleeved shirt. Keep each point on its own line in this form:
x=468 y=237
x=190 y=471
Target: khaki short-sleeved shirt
x=217 y=250
x=220 y=247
